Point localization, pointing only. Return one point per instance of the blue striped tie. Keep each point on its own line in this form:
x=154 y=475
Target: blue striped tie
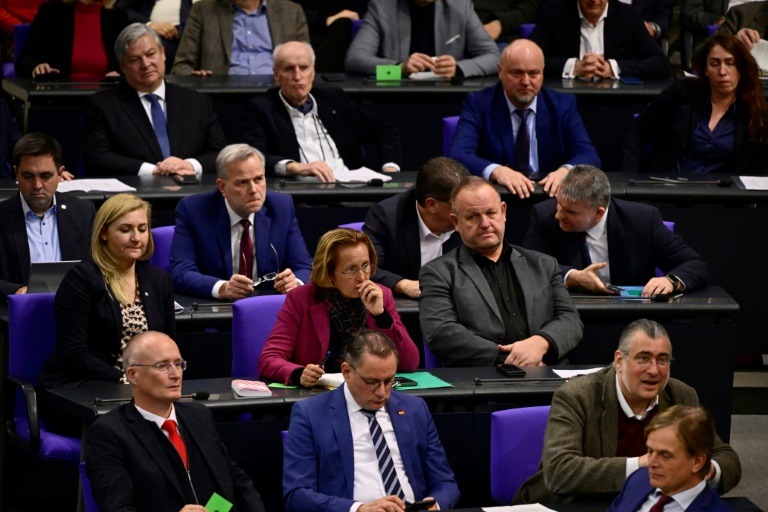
x=386 y=466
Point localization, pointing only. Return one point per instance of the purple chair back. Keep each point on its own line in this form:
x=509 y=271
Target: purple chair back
x=430 y=360
x=449 y=129
x=526 y=29
x=517 y=439
x=20 y=36
x=357 y=226
x=283 y=436
x=252 y=321
x=670 y=226
x=356 y=24
x=711 y=29
x=85 y=486
x=162 y=237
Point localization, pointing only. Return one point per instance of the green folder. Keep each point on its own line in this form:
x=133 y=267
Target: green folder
x=217 y=503
x=388 y=72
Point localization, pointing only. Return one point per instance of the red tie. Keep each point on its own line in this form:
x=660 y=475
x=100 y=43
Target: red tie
x=176 y=440
x=246 y=250
x=659 y=506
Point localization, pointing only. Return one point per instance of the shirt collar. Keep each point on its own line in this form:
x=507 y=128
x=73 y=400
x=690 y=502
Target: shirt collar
x=598 y=229
x=684 y=498
x=627 y=409
x=158 y=420
x=261 y=10
x=512 y=106
x=159 y=92
x=234 y=218
x=425 y=232
x=26 y=209
x=601 y=18
x=352 y=406
x=295 y=112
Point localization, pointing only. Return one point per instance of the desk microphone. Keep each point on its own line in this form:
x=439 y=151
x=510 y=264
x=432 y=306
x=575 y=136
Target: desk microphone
x=196 y=306
x=480 y=382
x=720 y=183
x=200 y=395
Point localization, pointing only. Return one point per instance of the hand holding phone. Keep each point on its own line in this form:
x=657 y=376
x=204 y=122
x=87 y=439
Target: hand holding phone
x=510 y=370
x=419 y=505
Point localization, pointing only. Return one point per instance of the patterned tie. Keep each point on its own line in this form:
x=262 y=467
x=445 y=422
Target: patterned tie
x=523 y=144
x=659 y=506
x=386 y=466
x=176 y=440
x=586 y=259
x=158 y=123
x=246 y=250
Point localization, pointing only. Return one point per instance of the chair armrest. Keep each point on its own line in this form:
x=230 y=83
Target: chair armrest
x=30 y=400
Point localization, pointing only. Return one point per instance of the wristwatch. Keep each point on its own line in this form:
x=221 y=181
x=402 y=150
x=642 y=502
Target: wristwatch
x=676 y=282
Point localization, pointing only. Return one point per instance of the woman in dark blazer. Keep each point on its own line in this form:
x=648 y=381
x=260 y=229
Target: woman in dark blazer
x=53 y=39
x=103 y=302
x=717 y=122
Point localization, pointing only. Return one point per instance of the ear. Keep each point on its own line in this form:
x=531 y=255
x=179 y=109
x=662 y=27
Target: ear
x=430 y=204
x=455 y=221
x=698 y=462
x=220 y=183
x=504 y=209
x=130 y=374
x=618 y=361
x=346 y=370
x=599 y=213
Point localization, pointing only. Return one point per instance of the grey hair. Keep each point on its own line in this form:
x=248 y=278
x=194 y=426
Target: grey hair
x=278 y=49
x=235 y=153
x=372 y=342
x=129 y=35
x=585 y=183
x=651 y=328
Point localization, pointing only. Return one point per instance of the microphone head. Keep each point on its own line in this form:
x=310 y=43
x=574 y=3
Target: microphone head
x=200 y=395
x=97 y=402
x=376 y=182
x=724 y=182
x=478 y=381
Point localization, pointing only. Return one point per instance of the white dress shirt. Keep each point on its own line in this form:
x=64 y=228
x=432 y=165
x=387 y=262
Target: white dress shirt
x=591 y=40
x=597 y=245
x=158 y=420
x=680 y=501
x=431 y=245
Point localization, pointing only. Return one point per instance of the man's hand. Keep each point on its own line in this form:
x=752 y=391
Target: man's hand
x=587 y=279
x=603 y=68
x=493 y=28
x=237 y=287
x=657 y=285
x=445 y=65
x=311 y=374
x=286 y=281
x=433 y=507
x=319 y=169
x=515 y=182
x=748 y=36
x=193 y=508
x=650 y=28
x=174 y=165
x=551 y=181
x=417 y=62
x=165 y=30
x=407 y=287
x=346 y=13
x=390 y=169
x=385 y=504
x=65 y=175
x=44 y=69
x=201 y=72
x=21 y=291
x=372 y=297
x=527 y=352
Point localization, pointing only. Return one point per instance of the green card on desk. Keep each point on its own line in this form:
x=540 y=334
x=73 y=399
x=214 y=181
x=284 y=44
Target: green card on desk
x=424 y=380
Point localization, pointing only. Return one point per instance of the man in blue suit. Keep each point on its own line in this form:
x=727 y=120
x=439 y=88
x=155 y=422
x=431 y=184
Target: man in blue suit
x=489 y=139
x=362 y=446
x=229 y=241
x=680 y=441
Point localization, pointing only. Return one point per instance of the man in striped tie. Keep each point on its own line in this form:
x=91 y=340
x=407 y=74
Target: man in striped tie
x=363 y=447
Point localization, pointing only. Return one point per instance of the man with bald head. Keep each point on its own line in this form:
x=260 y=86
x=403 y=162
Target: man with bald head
x=314 y=134
x=518 y=133
x=156 y=454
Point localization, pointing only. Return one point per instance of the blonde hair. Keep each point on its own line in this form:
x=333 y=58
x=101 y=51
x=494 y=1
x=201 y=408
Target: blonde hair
x=327 y=253
x=112 y=209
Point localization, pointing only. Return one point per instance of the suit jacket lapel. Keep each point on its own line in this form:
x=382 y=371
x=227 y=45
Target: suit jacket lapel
x=520 y=267
x=65 y=227
x=285 y=126
x=226 y=19
x=332 y=123
x=174 y=120
x=19 y=227
x=615 y=246
x=410 y=231
x=543 y=136
x=339 y=419
x=476 y=277
x=405 y=442
x=193 y=437
x=503 y=124
x=223 y=234
x=265 y=258
x=610 y=35
x=131 y=104
x=321 y=323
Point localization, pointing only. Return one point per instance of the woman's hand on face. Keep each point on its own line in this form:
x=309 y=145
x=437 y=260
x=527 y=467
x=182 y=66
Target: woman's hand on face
x=311 y=375
x=372 y=297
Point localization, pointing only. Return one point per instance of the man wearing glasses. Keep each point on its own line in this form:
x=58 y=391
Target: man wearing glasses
x=363 y=447
x=595 y=432
x=238 y=238
x=154 y=454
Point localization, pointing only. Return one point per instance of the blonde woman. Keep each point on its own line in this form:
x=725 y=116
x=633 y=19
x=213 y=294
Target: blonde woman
x=103 y=302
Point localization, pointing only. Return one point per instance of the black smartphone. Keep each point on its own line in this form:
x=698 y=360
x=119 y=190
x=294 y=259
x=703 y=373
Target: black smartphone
x=631 y=80
x=185 y=179
x=664 y=297
x=334 y=77
x=419 y=505
x=405 y=382
x=510 y=370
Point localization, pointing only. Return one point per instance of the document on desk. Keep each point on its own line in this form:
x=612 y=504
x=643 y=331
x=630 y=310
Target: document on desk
x=569 y=374
x=95 y=185
x=534 y=507
x=361 y=174
x=760 y=53
x=331 y=380
x=749 y=182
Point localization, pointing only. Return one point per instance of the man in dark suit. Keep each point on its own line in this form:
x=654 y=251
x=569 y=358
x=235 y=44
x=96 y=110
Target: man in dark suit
x=230 y=240
x=363 y=444
x=625 y=242
x=156 y=455
x=146 y=126
x=680 y=441
x=413 y=228
x=488 y=302
x=313 y=134
x=40 y=224
x=748 y=22
x=517 y=132
x=595 y=39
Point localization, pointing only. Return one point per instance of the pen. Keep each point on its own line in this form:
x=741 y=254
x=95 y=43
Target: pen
x=454 y=38
x=677 y=296
x=325 y=360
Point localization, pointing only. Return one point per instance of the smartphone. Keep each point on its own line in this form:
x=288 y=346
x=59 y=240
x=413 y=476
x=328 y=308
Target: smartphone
x=664 y=297
x=510 y=370
x=405 y=382
x=185 y=179
x=631 y=80
x=334 y=77
x=419 y=505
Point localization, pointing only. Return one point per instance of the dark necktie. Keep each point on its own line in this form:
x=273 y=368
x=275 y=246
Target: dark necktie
x=176 y=440
x=386 y=465
x=586 y=259
x=246 y=250
x=523 y=143
x=659 y=505
x=186 y=6
x=160 y=126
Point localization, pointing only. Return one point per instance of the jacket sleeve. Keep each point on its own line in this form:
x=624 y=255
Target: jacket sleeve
x=466 y=140
x=377 y=226
x=187 y=278
x=481 y=52
x=363 y=54
x=96 y=133
x=190 y=46
x=578 y=146
x=275 y=360
x=105 y=463
x=648 y=61
x=407 y=350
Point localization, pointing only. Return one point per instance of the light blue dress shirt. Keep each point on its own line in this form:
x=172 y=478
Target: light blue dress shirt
x=42 y=233
x=251 y=42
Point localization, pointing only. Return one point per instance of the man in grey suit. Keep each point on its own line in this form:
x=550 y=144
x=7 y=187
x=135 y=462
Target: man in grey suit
x=488 y=302
x=443 y=36
x=595 y=431
x=748 y=22
x=236 y=37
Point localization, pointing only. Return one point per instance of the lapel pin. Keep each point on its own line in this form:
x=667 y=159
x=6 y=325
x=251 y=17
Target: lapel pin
x=146 y=294
x=333 y=112
x=401 y=412
x=63 y=207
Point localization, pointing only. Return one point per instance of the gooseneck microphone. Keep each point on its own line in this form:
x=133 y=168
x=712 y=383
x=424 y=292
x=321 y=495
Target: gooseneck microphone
x=199 y=395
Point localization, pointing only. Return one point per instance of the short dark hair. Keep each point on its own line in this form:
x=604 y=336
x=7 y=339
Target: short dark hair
x=585 y=183
x=695 y=429
x=651 y=328
x=371 y=342
x=471 y=182
x=37 y=144
x=437 y=179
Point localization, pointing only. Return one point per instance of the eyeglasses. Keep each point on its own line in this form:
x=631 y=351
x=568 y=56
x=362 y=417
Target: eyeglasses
x=645 y=361
x=270 y=276
x=352 y=272
x=373 y=385
x=165 y=366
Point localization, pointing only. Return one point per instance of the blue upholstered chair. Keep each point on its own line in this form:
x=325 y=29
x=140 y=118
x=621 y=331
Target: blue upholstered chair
x=449 y=129
x=162 y=237
x=357 y=226
x=430 y=360
x=85 y=487
x=252 y=321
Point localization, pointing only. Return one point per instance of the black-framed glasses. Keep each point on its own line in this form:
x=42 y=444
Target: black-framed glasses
x=373 y=385
x=165 y=366
x=352 y=272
